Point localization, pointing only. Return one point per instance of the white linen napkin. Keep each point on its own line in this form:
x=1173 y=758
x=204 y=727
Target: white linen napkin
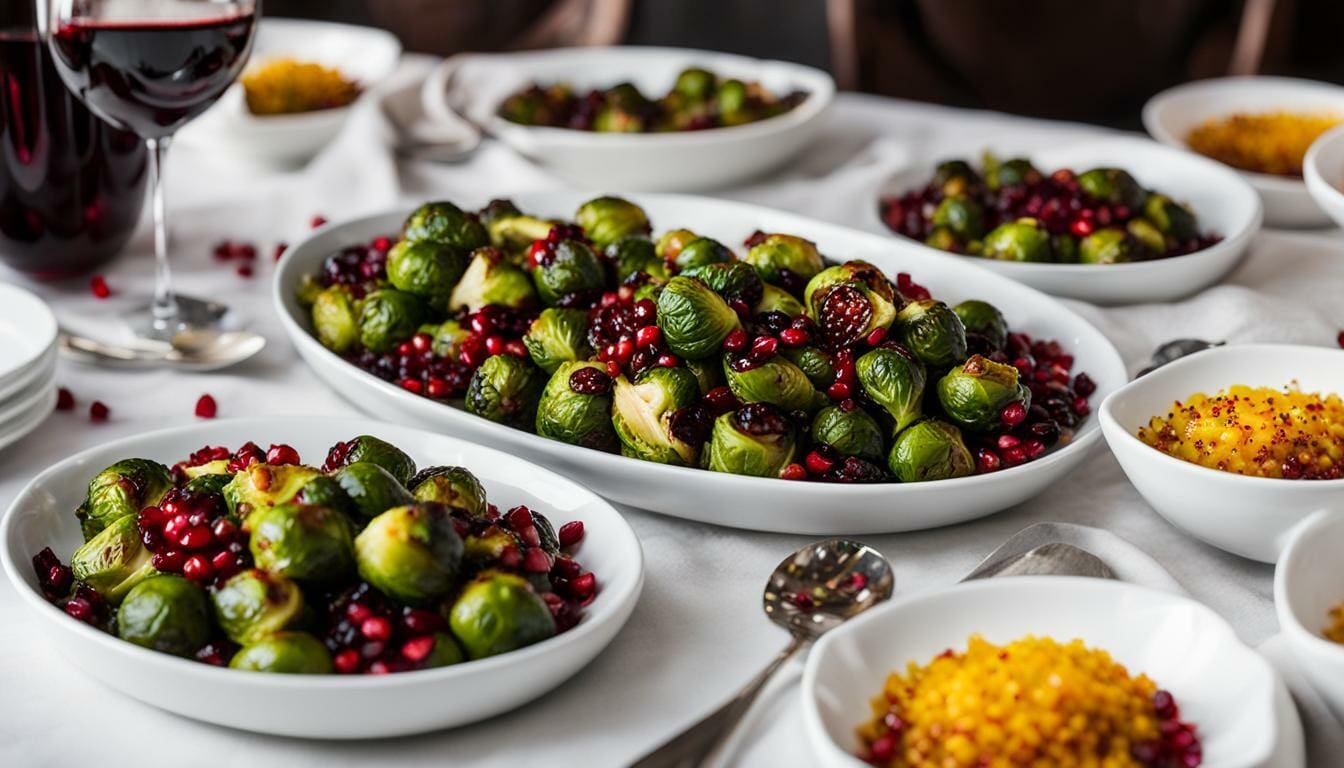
x=1324 y=730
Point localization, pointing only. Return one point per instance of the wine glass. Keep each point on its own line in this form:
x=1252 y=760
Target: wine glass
x=150 y=66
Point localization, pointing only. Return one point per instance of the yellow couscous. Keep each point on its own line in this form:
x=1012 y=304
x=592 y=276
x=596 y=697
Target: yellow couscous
x=1267 y=142
x=1334 y=631
x=286 y=86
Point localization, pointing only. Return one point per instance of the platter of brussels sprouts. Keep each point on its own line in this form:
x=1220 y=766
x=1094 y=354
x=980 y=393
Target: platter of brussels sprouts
x=1163 y=223
x=200 y=578
x=634 y=359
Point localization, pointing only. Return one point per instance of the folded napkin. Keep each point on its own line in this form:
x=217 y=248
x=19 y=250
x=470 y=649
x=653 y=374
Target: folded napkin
x=1324 y=729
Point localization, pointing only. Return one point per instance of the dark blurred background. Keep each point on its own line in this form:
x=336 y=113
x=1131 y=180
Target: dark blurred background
x=1092 y=60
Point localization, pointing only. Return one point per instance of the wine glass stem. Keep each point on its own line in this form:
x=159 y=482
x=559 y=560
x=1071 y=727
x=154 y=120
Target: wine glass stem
x=165 y=302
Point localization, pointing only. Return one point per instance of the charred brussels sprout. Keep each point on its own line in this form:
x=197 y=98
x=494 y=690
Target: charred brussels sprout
x=264 y=485
x=454 y=487
x=335 y=319
x=497 y=613
x=984 y=323
x=253 y=604
x=851 y=432
x=974 y=394
x=411 y=553
x=776 y=381
x=933 y=332
x=929 y=450
x=895 y=379
x=122 y=489
x=850 y=301
x=571 y=268
x=1007 y=173
x=631 y=255
x=608 y=219
x=427 y=269
x=386 y=455
x=286 y=653
x=1111 y=245
x=302 y=541
x=165 y=613
x=1021 y=240
x=114 y=561
x=670 y=244
x=445 y=223
x=732 y=102
x=491 y=279
x=943 y=239
x=505 y=389
x=702 y=251
x=1112 y=185
x=389 y=317
x=731 y=280
x=1170 y=217
x=694 y=319
x=371 y=489
x=575 y=407
x=695 y=84
x=778 y=254
x=962 y=216
x=813 y=362
x=778 y=300
x=755 y=440
x=642 y=415
x=558 y=336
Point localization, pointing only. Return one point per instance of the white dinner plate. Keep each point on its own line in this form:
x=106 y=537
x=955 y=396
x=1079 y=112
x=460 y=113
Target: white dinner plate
x=744 y=502
x=27 y=333
x=43 y=368
x=23 y=424
x=337 y=706
x=26 y=400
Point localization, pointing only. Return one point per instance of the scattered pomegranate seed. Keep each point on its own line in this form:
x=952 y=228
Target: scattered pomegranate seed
x=613 y=369
x=876 y=336
x=376 y=628
x=382 y=244
x=65 y=400
x=206 y=407
x=1007 y=441
x=244 y=270
x=198 y=569
x=883 y=748
x=736 y=341
x=570 y=533
x=649 y=334
x=282 y=454
x=1013 y=414
x=793 y=337
x=417 y=648
x=412 y=385
x=537 y=561
x=668 y=361
x=79 y=608
x=98 y=412
x=584 y=585
x=794 y=472
x=98 y=285
x=280 y=249
x=346 y=661
x=317 y=221
x=358 y=612
x=838 y=391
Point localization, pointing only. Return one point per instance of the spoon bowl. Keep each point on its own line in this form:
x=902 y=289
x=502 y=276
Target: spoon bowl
x=197 y=349
x=824 y=584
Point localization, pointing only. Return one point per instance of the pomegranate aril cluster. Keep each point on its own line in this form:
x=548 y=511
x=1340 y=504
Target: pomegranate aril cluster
x=192 y=534
x=357 y=266
x=1177 y=746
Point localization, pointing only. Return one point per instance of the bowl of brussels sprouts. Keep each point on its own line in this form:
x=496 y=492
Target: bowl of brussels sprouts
x=345 y=598
x=824 y=388
x=1110 y=221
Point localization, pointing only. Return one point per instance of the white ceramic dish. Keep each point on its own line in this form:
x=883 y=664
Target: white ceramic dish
x=363 y=54
x=1226 y=689
x=335 y=707
x=724 y=499
x=43 y=368
x=1308 y=582
x=1223 y=202
x=23 y=424
x=1248 y=516
x=27 y=399
x=1170 y=115
x=474 y=85
x=1323 y=172
x=27 y=333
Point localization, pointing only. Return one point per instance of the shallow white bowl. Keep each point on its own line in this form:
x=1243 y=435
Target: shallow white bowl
x=725 y=499
x=363 y=54
x=1170 y=115
x=1308 y=582
x=474 y=85
x=1227 y=690
x=1223 y=202
x=1323 y=172
x=329 y=707
x=27 y=335
x=1248 y=516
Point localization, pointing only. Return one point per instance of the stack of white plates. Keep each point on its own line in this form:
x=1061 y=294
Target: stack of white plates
x=27 y=363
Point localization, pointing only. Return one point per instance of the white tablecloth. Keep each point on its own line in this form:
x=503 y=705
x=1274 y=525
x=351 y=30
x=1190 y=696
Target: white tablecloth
x=698 y=633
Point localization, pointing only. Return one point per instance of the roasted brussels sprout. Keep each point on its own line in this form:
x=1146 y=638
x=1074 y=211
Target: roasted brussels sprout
x=506 y=389
x=755 y=440
x=943 y=239
x=335 y=319
x=497 y=210
x=1146 y=234
x=444 y=653
x=701 y=251
x=1170 y=217
x=850 y=431
x=427 y=269
x=570 y=268
x=983 y=323
x=122 y=489
x=929 y=450
x=849 y=301
x=446 y=338
x=974 y=394
x=325 y=491
x=1021 y=240
x=384 y=454
x=516 y=233
x=497 y=613
x=253 y=604
x=371 y=489
x=894 y=378
x=307 y=291
x=814 y=362
x=388 y=317
x=694 y=319
x=696 y=84
x=1112 y=185
x=631 y=255
x=289 y=653
x=575 y=407
x=454 y=487
x=1110 y=245
x=208 y=482
x=732 y=100
x=114 y=561
x=1064 y=248
x=1007 y=173
x=445 y=223
x=411 y=553
x=642 y=414
x=608 y=219
x=619 y=118
x=776 y=381
x=962 y=216
x=491 y=279
x=165 y=613
x=670 y=244
x=777 y=254
x=558 y=336
x=954 y=176
x=933 y=332
x=264 y=485
x=708 y=372
x=778 y=300
x=302 y=541
x=731 y=280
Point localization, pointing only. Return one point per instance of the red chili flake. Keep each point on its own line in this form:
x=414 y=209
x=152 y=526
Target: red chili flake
x=98 y=411
x=244 y=270
x=98 y=285
x=65 y=399
x=206 y=408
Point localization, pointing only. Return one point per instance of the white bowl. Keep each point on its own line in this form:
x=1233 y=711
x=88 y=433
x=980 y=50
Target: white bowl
x=1308 y=582
x=1227 y=690
x=1223 y=203
x=27 y=335
x=1248 y=516
x=474 y=85
x=1172 y=114
x=364 y=54
x=725 y=499
x=1323 y=172
x=330 y=707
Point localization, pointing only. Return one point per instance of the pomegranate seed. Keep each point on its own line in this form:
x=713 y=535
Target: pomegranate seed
x=79 y=608
x=196 y=537
x=280 y=249
x=986 y=461
x=648 y=335
x=510 y=557
x=584 y=585
x=838 y=391
x=668 y=361
x=224 y=529
x=1013 y=414
x=1014 y=456
x=1081 y=406
x=1084 y=385
x=570 y=533
x=98 y=412
x=516 y=348
x=419 y=621
x=818 y=464
x=65 y=400
x=346 y=661
x=857 y=581
x=794 y=472
x=876 y=336
x=793 y=337
x=98 y=285
x=613 y=369
x=740 y=307
x=437 y=388
x=1007 y=441
x=494 y=345
x=412 y=385
x=883 y=748
x=379 y=668
x=198 y=569
x=244 y=270
x=282 y=454
x=1339 y=339
x=317 y=221
x=383 y=244
x=736 y=341
x=222 y=561
x=764 y=347
x=206 y=407
x=1033 y=448
x=537 y=561
x=169 y=562
x=417 y=648
x=357 y=612
x=376 y=628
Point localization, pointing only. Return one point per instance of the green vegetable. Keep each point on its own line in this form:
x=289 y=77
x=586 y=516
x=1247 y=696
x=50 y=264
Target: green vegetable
x=573 y=269
x=1170 y=217
x=1111 y=245
x=1008 y=172
x=776 y=254
x=696 y=84
x=325 y=491
x=447 y=338
x=851 y=432
x=974 y=394
x=929 y=450
x=608 y=219
x=983 y=322
x=388 y=317
x=670 y=244
x=427 y=269
x=962 y=216
x=506 y=389
x=1022 y=240
x=933 y=332
x=778 y=300
x=776 y=381
x=1146 y=234
x=386 y=455
x=454 y=487
x=254 y=604
x=954 y=176
x=895 y=379
x=411 y=553
x=264 y=485
x=165 y=613
x=642 y=415
x=573 y=417
x=634 y=254
x=302 y=542
x=558 y=336
x=371 y=489
x=702 y=251
x=708 y=373
x=731 y=280
x=497 y=613
x=756 y=440
x=114 y=560
x=445 y=223
x=292 y=653
x=515 y=233
x=694 y=319
x=1114 y=186
x=122 y=489
x=335 y=319
x=849 y=301
x=813 y=362
x=491 y=279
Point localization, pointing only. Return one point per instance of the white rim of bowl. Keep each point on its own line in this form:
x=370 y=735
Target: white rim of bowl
x=1311 y=170
x=1288 y=618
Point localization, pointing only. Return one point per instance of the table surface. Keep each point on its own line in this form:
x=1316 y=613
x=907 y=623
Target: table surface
x=697 y=633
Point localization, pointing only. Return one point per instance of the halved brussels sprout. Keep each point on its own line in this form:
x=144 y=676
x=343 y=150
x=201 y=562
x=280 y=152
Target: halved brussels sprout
x=515 y=233
x=165 y=613
x=335 y=319
x=1022 y=240
x=572 y=269
x=122 y=489
x=302 y=541
x=708 y=372
x=731 y=280
x=447 y=338
x=670 y=244
x=443 y=222
x=696 y=84
x=631 y=255
x=895 y=379
x=209 y=481
x=114 y=561
x=411 y=553
x=959 y=172
x=497 y=209
x=702 y=251
x=929 y=450
x=497 y=613
x=608 y=219
x=1147 y=235
x=778 y=300
x=776 y=381
x=578 y=415
x=484 y=547
x=1007 y=173
x=384 y=454
x=454 y=487
x=814 y=362
x=1110 y=245
x=983 y=322
x=427 y=269
x=1112 y=185
x=506 y=389
x=642 y=414
x=1170 y=217
x=286 y=653
x=974 y=394
x=254 y=604
x=850 y=431
x=558 y=336
x=775 y=254
x=491 y=279
x=755 y=440
x=933 y=332
x=694 y=319
x=849 y=301
x=961 y=215
x=372 y=490
x=264 y=485
x=388 y=317
x=307 y=291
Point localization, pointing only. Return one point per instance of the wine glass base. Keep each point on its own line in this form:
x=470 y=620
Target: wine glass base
x=192 y=314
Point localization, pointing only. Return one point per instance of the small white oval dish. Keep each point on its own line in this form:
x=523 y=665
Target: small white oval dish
x=1308 y=583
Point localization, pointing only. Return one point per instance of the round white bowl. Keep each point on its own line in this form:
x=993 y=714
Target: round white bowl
x=1248 y=516
x=1172 y=114
x=1228 y=691
x=1308 y=582
x=1223 y=202
x=329 y=707
x=474 y=85
x=1323 y=172
x=725 y=499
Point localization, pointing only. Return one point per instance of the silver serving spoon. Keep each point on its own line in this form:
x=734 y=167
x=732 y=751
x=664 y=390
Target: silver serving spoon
x=193 y=349
x=420 y=137
x=1175 y=350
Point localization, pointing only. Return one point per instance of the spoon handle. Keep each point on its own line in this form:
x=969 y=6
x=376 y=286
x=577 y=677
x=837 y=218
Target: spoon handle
x=691 y=747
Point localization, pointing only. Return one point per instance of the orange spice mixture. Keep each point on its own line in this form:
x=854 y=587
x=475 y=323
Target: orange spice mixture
x=1266 y=142
x=1335 y=632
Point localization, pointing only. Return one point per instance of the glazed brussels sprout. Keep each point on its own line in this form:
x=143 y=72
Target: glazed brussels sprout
x=696 y=84
x=708 y=373
x=974 y=394
x=302 y=541
x=443 y=222
x=497 y=210
x=701 y=251
x=954 y=176
x=325 y=491
x=1021 y=240
x=1112 y=185
x=481 y=548
x=371 y=489
x=984 y=323
x=446 y=338
x=732 y=101
x=777 y=254
x=1007 y=173
x=386 y=455
x=813 y=362
x=558 y=336
x=571 y=268
x=307 y=291
x=454 y=487
x=962 y=216
x=515 y=233
x=631 y=255
x=893 y=378
x=933 y=332
x=1111 y=245
x=253 y=604
x=851 y=432
x=778 y=300
x=776 y=381
x=694 y=319
x=207 y=482
x=264 y=485
x=505 y=389
x=755 y=440
x=444 y=653
x=497 y=613
x=618 y=118
x=122 y=489
x=943 y=239
x=114 y=561
x=575 y=407
x=165 y=613
x=670 y=244
x=731 y=280
x=426 y=269
x=608 y=219
x=1147 y=235
x=491 y=279
x=289 y=653
x=335 y=320
x=642 y=415
x=388 y=317
x=849 y=301
x=1170 y=217
x=929 y=450
x=411 y=553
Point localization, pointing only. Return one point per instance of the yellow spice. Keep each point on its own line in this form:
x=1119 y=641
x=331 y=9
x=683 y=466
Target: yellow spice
x=1267 y=142
x=286 y=86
